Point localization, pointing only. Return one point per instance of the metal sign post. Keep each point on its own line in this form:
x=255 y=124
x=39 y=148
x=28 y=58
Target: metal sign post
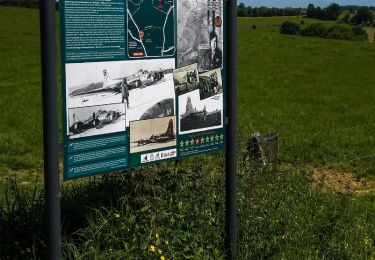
x=50 y=128
x=231 y=149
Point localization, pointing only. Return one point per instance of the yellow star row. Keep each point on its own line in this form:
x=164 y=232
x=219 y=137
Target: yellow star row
x=202 y=140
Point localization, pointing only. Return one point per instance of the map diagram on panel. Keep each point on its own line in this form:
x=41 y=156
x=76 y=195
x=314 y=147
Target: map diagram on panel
x=151 y=28
x=200 y=34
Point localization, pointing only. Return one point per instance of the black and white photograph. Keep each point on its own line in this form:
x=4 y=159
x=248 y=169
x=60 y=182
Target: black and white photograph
x=197 y=115
x=152 y=134
x=186 y=79
x=96 y=120
x=210 y=83
x=200 y=34
x=145 y=87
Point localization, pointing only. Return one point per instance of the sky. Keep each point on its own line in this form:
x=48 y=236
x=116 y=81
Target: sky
x=304 y=3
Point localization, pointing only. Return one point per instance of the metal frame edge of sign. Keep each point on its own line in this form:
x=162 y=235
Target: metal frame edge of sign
x=50 y=126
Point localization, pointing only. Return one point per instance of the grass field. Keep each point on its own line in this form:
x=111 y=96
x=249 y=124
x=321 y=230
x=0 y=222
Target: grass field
x=318 y=94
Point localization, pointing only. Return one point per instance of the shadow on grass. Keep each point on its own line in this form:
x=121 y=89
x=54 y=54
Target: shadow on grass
x=150 y=197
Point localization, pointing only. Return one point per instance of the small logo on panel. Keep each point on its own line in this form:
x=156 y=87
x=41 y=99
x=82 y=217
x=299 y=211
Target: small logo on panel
x=158 y=156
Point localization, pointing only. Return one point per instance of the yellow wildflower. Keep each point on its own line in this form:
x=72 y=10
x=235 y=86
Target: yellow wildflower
x=162 y=258
x=366 y=240
x=117 y=216
x=152 y=248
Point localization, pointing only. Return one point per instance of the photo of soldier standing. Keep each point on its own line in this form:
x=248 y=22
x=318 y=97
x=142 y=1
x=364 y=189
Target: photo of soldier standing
x=214 y=56
x=125 y=92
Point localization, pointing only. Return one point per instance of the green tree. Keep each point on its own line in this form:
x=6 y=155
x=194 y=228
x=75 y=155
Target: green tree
x=363 y=15
x=319 y=13
x=241 y=10
x=346 y=19
x=332 y=12
x=311 y=11
x=249 y=11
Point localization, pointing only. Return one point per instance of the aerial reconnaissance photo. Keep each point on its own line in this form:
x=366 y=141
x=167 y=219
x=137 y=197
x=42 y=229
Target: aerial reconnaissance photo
x=145 y=87
x=200 y=34
x=151 y=28
x=152 y=134
x=96 y=120
x=197 y=115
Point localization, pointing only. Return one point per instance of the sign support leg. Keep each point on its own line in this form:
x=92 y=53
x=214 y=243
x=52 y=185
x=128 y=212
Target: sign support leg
x=231 y=146
x=50 y=128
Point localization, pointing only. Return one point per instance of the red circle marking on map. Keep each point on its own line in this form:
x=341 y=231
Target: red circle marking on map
x=141 y=35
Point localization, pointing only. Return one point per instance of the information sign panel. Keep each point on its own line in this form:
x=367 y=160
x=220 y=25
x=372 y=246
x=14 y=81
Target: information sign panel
x=143 y=82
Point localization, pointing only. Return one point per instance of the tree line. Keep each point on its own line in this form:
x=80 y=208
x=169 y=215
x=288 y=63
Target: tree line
x=354 y=14
x=248 y=11
x=20 y=3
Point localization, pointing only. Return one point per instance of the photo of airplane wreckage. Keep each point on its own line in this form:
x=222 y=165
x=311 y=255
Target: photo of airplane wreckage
x=198 y=119
x=166 y=137
x=97 y=120
x=141 y=79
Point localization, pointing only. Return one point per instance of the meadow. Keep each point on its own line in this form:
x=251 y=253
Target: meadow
x=318 y=94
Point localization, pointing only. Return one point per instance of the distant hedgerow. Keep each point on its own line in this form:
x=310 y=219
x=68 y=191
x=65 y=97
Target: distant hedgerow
x=315 y=29
x=289 y=28
x=339 y=32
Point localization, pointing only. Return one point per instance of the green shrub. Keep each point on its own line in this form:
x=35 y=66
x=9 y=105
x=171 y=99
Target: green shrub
x=316 y=29
x=289 y=28
x=339 y=32
x=358 y=30
x=359 y=33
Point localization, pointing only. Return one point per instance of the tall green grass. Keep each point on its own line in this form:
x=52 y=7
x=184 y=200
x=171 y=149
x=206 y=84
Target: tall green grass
x=180 y=211
x=20 y=98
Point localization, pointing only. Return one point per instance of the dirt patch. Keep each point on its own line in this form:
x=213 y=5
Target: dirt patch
x=346 y=183
x=371 y=34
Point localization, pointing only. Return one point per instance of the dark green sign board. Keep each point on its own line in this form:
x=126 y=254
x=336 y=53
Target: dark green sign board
x=143 y=82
